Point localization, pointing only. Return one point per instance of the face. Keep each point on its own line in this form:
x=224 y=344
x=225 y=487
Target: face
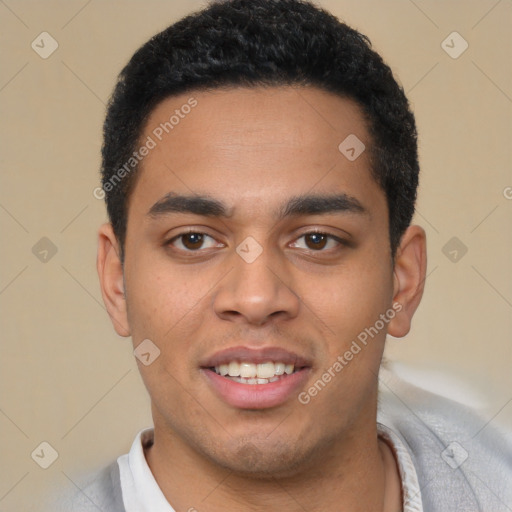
x=256 y=248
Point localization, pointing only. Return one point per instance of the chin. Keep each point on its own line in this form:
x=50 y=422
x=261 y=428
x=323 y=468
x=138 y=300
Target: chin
x=263 y=460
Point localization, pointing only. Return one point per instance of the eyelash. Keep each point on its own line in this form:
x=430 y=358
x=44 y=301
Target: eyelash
x=329 y=236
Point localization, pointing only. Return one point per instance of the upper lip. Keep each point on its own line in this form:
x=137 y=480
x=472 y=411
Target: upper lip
x=252 y=355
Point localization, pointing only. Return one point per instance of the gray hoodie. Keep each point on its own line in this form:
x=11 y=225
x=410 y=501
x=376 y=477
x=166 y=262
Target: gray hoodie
x=463 y=462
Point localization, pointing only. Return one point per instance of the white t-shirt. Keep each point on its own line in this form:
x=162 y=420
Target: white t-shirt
x=141 y=493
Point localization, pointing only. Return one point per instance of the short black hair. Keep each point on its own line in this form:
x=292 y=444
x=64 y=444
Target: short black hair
x=251 y=43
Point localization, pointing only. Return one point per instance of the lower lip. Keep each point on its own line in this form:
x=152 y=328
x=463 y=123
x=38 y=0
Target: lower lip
x=256 y=396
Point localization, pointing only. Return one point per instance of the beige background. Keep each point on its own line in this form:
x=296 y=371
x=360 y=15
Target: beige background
x=69 y=380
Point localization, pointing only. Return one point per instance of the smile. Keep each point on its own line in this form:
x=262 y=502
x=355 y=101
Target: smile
x=249 y=378
x=254 y=373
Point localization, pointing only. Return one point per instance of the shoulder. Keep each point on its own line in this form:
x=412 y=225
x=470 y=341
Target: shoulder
x=100 y=490
x=462 y=460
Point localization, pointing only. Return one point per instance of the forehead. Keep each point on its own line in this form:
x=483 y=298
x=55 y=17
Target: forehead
x=244 y=144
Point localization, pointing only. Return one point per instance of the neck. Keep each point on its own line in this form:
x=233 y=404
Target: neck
x=356 y=473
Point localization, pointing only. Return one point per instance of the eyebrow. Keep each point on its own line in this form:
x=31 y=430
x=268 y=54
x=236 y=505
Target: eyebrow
x=296 y=206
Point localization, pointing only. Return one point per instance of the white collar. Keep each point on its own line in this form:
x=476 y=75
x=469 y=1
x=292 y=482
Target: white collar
x=411 y=492
x=140 y=490
x=141 y=493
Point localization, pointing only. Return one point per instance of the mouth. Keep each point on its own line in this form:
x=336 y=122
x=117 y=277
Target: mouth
x=255 y=379
x=252 y=373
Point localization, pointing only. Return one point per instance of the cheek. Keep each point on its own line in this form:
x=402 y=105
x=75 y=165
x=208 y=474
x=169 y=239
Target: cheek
x=162 y=299
x=347 y=310
x=167 y=308
x=349 y=300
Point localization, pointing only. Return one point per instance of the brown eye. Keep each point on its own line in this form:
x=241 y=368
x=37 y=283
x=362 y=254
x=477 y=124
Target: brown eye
x=192 y=240
x=316 y=240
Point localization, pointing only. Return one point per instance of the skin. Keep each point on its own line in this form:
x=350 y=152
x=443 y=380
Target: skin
x=253 y=150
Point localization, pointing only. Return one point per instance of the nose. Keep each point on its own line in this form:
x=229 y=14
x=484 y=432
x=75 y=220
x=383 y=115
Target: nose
x=257 y=292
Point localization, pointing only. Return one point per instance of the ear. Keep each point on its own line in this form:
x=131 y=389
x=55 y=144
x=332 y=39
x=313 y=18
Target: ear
x=408 y=279
x=110 y=272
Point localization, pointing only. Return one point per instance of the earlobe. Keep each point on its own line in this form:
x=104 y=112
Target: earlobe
x=110 y=273
x=408 y=279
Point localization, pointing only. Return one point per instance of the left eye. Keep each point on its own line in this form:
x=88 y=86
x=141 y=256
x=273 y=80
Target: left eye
x=317 y=241
x=193 y=241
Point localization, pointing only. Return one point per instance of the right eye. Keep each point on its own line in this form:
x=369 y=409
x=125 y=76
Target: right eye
x=192 y=241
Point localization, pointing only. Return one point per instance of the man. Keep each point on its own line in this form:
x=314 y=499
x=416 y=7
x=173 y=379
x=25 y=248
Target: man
x=260 y=170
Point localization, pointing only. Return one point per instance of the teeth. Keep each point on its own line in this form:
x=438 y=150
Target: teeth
x=250 y=373
x=266 y=370
x=247 y=370
x=233 y=369
x=279 y=368
x=242 y=380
